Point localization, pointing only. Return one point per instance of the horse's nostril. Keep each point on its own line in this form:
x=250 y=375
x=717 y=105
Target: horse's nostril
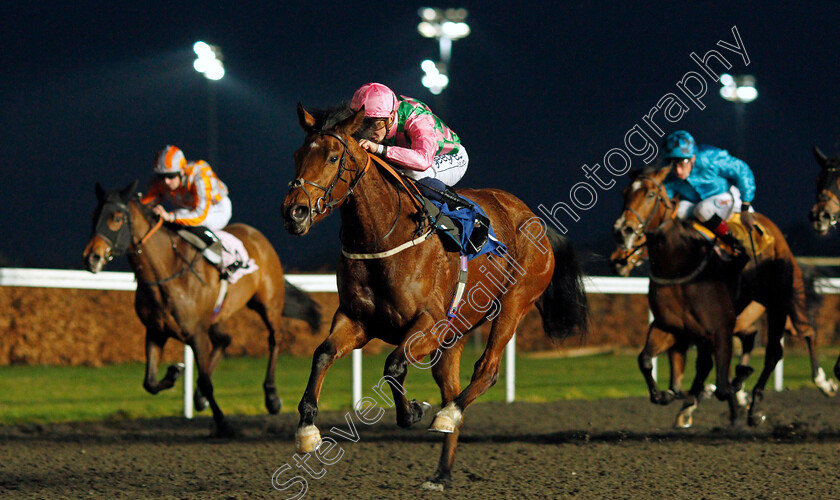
x=299 y=213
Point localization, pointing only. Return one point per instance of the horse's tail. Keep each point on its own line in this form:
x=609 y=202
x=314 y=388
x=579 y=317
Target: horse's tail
x=563 y=305
x=300 y=305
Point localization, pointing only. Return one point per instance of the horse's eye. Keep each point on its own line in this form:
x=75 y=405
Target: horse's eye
x=333 y=158
x=118 y=218
x=651 y=194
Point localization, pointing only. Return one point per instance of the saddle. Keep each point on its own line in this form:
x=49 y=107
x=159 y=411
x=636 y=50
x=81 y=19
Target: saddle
x=230 y=263
x=463 y=225
x=762 y=238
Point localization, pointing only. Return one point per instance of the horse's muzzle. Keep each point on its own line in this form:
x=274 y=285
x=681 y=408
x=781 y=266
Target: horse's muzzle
x=95 y=262
x=297 y=219
x=821 y=220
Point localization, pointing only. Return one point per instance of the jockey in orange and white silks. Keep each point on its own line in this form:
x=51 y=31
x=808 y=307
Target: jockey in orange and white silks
x=199 y=197
x=407 y=134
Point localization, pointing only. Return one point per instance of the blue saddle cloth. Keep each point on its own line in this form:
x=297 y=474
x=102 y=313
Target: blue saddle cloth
x=465 y=218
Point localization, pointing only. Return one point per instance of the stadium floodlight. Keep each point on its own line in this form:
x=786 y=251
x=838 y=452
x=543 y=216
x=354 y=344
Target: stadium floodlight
x=209 y=61
x=738 y=88
x=446 y=25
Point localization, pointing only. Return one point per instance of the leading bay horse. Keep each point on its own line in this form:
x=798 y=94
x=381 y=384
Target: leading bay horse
x=177 y=290
x=396 y=285
x=695 y=300
x=826 y=211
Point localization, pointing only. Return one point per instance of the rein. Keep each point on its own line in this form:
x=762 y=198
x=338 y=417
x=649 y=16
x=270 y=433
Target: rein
x=326 y=203
x=639 y=230
x=120 y=243
x=666 y=220
x=684 y=279
x=831 y=194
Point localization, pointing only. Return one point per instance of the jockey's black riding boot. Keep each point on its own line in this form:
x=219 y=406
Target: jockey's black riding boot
x=212 y=250
x=721 y=230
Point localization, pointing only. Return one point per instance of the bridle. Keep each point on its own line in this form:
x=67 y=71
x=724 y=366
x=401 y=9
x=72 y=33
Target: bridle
x=830 y=194
x=639 y=230
x=325 y=203
x=120 y=241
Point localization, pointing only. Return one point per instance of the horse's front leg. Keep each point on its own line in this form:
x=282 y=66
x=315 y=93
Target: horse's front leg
x=418 y=344
x=155 y=341
x=722 y=341
x=704 y=363
x=658 y=341
x=345 y=335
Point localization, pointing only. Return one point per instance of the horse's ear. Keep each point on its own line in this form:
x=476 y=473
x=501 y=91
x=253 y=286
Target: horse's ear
x=353 y=123
x=129 y=191
x=822 y=159
x=100 y=192
x=307 y=121
x=663 y=172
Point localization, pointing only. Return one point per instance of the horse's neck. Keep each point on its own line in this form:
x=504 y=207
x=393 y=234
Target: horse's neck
x=673 y=250
x=154 y=259
x=370 y=214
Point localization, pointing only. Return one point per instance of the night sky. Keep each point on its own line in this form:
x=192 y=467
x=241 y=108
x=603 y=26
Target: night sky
x=90 y=92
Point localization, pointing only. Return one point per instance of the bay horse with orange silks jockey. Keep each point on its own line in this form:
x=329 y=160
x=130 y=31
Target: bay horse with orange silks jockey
x=177 y=292
x=396 y=281
x=826 y=211
x=694 y=299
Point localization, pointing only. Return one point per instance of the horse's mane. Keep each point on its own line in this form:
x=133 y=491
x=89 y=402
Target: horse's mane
x=328 y=118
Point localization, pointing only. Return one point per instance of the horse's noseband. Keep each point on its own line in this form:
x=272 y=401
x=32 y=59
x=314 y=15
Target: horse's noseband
x=325 y=203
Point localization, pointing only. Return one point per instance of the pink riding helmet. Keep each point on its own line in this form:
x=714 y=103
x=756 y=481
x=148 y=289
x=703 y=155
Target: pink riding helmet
x=379 y=100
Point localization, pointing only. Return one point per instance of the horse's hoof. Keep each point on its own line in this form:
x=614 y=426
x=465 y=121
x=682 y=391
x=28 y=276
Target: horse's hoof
x=273 y=404
x=307 y=439
x=756 y=419
x=683 y=421
x=432 y=486
x=743 y=398
x=708 y=392
x=175 y=371
x=826 y=385
x=447 y=420
x=200 y=403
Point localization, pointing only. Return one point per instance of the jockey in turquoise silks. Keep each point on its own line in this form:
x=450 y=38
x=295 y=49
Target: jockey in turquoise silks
x=711 y=185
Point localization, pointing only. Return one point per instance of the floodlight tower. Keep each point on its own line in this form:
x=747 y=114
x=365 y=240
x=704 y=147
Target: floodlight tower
x=209 y=63
x=740 y=90
x=446 y=25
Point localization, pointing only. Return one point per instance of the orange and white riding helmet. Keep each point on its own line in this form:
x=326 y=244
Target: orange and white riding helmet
x=170 y=160
x=379 y=101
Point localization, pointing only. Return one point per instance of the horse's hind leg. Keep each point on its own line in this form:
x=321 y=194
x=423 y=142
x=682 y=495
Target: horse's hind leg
x=657 y=342
x=447 y=373
x=271 y=318
x=772 y=355
x=220 y=340
x=154 y=347
x=486 y=371
x=203 y=349
x=345 y=335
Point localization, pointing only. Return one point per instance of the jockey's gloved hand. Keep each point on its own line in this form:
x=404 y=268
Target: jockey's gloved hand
x=747 y=217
